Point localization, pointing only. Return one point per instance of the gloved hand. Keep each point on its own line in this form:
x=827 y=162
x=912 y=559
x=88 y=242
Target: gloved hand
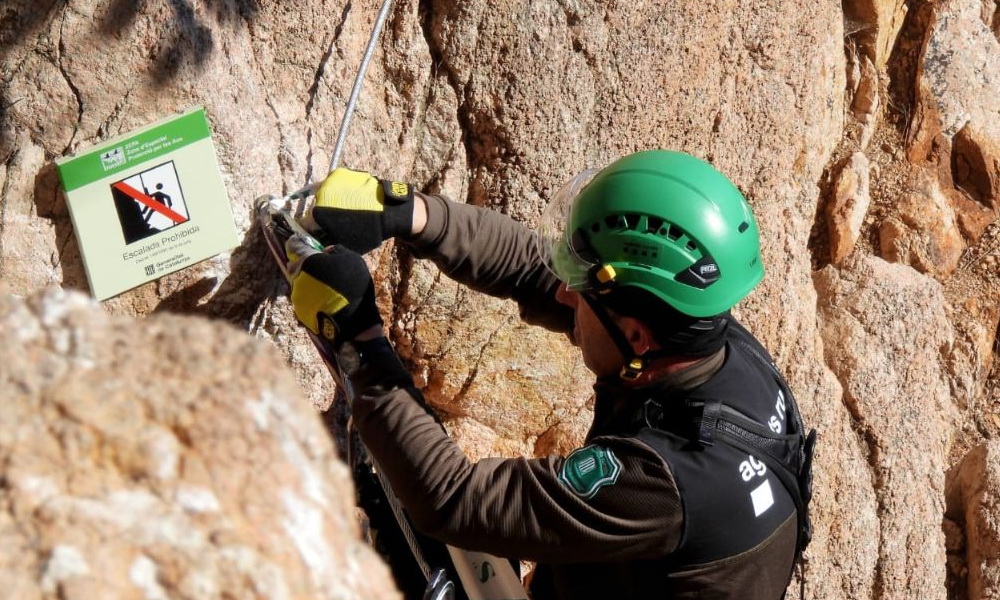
x=332 y=292
x=356 y=210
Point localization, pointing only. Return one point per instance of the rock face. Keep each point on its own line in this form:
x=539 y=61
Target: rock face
x=165 y=458
x=883 y=286
x=847 y=211
x=972 y=492
x=874 y=313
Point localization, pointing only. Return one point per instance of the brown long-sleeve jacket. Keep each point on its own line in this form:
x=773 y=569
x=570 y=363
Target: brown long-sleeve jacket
x=610 y=521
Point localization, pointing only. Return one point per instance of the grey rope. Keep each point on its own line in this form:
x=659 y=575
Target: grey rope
x=358 y=82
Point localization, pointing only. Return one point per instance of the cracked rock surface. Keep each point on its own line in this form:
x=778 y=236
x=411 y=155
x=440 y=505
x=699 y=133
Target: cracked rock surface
x=168 y=458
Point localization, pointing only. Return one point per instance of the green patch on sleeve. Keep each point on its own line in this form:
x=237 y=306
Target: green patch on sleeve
x=589 y=469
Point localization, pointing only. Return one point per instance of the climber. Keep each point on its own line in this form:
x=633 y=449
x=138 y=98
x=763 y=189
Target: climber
x=694 y=479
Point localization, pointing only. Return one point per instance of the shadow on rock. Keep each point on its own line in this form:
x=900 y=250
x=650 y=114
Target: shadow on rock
x=50 y=204
x=123 y=13
x=253 y=278
x=187 y=39
x=22 y=18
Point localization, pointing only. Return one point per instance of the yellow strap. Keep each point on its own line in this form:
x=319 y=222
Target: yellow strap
x=349 y=190
x=310 y=297
x=606 y=274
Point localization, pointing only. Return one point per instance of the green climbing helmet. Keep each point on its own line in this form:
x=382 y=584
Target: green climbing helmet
x=659 y=220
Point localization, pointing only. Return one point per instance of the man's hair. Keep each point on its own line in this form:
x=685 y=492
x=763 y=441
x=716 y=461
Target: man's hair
x=679 y=334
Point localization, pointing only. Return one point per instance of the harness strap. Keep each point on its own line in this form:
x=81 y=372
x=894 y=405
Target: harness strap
x=613 y=330
x=709 y=422
x=634 y=365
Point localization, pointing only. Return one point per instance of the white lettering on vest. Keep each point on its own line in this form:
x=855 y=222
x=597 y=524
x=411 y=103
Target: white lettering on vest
x=751 y=468
x=776 y=423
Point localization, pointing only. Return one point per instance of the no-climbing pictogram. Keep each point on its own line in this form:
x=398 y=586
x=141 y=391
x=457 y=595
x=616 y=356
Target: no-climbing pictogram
x=149 y=202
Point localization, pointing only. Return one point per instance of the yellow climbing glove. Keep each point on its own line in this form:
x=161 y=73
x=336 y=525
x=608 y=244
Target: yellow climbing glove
x=356 y=210
x=332 y=291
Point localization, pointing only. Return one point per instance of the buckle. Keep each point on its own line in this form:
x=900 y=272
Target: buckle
x=632 y=370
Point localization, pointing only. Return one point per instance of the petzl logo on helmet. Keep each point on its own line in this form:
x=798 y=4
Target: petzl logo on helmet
x=589 y=469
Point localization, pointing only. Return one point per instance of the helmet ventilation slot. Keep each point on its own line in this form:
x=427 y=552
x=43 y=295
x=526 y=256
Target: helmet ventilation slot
x=646 y=224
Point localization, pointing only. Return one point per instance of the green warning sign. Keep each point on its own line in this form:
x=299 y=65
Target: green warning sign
x=148 y=203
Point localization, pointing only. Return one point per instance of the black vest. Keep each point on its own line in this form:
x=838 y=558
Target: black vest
x=738 y=451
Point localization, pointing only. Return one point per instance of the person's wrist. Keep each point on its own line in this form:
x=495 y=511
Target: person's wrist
x=372 y=333
x=373 y=363
x=419 y=215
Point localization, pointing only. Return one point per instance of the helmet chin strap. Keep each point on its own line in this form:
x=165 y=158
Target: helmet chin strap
x=634 y=365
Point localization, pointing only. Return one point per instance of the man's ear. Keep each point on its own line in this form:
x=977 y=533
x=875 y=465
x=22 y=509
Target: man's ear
x=638 y=334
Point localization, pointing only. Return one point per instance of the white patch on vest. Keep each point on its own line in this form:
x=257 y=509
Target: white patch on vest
x=762 y=498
